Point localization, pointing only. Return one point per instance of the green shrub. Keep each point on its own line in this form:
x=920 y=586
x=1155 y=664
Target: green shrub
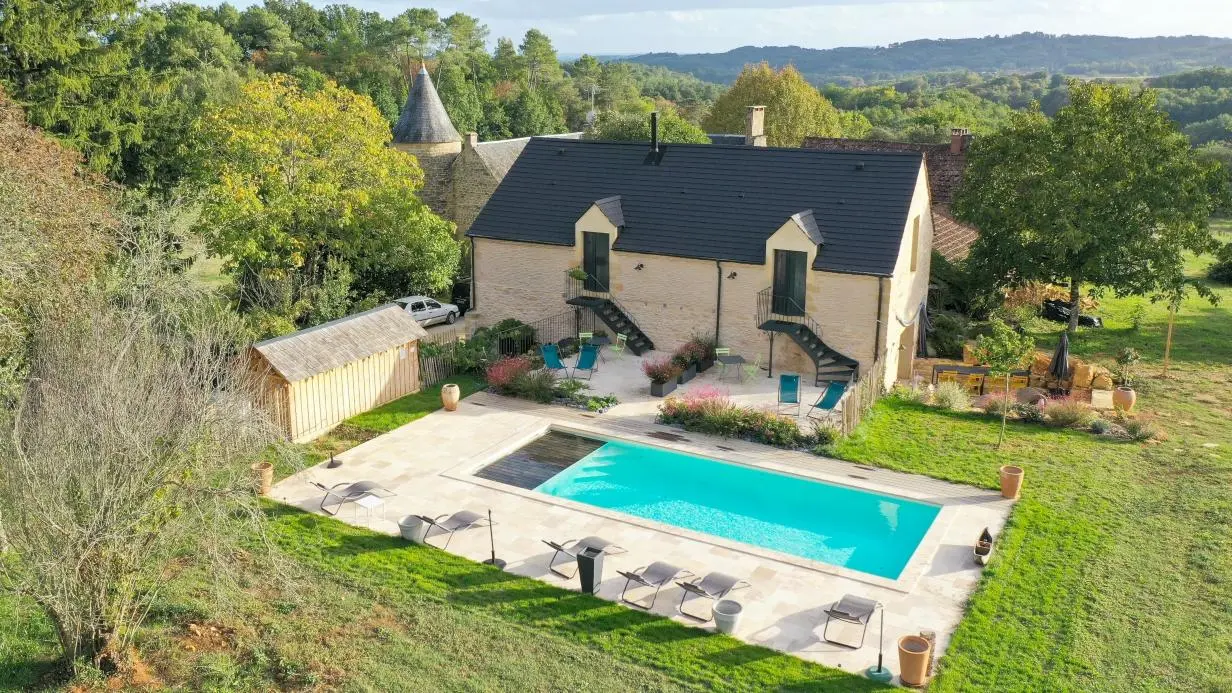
x=1100 y=427
x=709 y=410
x=1030 y=413
x=537 y=386
x=1142 y=430
x=824 y=434
x=569 y=387
x=1221 y=271
x=907 y=393
x=952 y=397
x=601 y=402
x=1067 y=412
x=949 y=335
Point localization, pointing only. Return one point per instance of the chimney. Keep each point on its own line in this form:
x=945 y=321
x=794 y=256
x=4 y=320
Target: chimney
x=755 y=126
x=959 y=139
x=472 y=140
x=654 y=131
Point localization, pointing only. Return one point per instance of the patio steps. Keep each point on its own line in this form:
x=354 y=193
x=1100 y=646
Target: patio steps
x=617 y=321
x=830 y=364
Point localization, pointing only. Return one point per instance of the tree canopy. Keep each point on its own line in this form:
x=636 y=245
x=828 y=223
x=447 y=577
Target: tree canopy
x=300 y=189
x=794 y=108
x=1106 y=193
x=636 y=127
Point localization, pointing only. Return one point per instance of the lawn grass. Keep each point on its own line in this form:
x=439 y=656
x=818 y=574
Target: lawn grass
x=1114 y=572
x=400 y=412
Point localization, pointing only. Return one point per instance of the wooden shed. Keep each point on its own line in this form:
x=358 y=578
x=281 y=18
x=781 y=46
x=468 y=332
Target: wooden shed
x=318 y=377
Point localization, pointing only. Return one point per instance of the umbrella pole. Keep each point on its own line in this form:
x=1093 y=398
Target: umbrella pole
x=493 y=561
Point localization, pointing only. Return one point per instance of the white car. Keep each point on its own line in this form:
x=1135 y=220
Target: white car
x=429 y=311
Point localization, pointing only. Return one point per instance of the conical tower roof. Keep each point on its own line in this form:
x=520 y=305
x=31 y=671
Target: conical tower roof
x=423 y=119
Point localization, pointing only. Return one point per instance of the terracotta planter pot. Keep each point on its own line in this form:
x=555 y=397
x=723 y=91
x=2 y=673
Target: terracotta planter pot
x=662 y=389
x=1011 y=481
x=913 y=654
x=1123 y=398
x=450 y=395
x=264 y=475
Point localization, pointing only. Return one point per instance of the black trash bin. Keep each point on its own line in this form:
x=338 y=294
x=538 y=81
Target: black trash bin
x=590 y=569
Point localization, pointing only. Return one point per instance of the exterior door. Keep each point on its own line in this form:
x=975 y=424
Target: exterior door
x=789 y=281
x=595 y=260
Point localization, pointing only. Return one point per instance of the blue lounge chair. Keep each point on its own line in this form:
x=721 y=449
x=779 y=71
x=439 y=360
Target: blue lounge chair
x=827 y=403
x=551 y=358
x=789 y=392
x=587 y=360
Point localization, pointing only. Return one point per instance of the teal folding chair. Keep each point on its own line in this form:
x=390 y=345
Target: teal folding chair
x=827 y=402
x=551 y=358
x=789 y=392
x=587 y=360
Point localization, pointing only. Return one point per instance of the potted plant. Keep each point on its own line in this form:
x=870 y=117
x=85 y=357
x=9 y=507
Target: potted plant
x=1124 y=397
x=704 y=348
x=662 y=373
x=577 y=273
x=685 y=362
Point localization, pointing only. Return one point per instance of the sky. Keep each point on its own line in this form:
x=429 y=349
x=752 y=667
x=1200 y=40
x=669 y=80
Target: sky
x=614 y=27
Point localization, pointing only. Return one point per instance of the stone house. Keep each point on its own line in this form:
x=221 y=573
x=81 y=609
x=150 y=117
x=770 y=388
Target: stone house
x=809 y=261
x=460 y=173
x=946 y=164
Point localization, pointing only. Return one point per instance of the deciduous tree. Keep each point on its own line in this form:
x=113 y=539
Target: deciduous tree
x=1003 y=351
x=612 y=125
x=1107 y=193
x=794 y=108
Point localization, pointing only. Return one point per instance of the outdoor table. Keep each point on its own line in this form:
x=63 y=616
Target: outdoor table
x=733 y=360
x=969 y=370
x=601 y=341
x=369 y=503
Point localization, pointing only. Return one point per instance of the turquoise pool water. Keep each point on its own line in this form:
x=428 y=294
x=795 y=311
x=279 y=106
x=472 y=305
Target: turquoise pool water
x=838 y=525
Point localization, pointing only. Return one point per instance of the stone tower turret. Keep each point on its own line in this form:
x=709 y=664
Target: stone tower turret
x=424 y=130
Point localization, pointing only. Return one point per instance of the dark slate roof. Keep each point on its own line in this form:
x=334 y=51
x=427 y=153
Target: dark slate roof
x=808 y=224
x=423 y=118
x=725 y=138
x=710 y=201
x=610 y=206
x=498 y=155
x=945 y=167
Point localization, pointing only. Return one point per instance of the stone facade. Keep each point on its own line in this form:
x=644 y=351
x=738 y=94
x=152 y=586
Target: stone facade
x=673 y=298
x=436 y=160
x=471 y=183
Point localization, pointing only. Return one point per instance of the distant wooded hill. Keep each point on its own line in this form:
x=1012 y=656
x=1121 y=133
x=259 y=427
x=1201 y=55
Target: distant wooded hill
x=1028 y=52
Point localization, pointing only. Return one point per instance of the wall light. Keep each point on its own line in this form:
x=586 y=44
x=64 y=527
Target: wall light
x=732 y=275
x=640 y=266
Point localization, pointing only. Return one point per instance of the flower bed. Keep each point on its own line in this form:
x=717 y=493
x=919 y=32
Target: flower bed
x=708 y=409
x=519 y=376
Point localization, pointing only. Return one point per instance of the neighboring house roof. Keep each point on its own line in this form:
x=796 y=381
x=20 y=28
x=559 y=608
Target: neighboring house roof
x=951 y=237
x=498 y=155
x=709 y=201
x=327 y=346
x=945 y=167
x=423 y=119
x=610 y=206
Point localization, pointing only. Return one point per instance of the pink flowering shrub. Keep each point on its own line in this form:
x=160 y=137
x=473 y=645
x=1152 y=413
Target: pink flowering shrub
x=660 y=370
x=502 y=373
x=709 y=409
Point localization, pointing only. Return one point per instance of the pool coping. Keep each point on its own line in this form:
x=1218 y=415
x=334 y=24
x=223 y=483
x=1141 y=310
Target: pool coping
x=915 y=568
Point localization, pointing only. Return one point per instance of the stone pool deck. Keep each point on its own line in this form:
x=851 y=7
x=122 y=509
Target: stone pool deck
x=429 y=465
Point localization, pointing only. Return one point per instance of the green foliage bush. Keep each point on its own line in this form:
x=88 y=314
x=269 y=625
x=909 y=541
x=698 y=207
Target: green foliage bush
x=996 y=406
x=1030 y=413
x=1100 y=426
x=709 y=410
x=1221 y=271
x=908 y=393
x=951 y=397
x=949 y=335
x=1142 y=430
x=537 y=386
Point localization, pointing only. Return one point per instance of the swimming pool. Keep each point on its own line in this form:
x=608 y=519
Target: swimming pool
x=839 y=525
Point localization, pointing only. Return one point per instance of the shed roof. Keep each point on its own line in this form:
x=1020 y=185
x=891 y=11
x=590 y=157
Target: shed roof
x=333 y=344
x=423 y=119
x=710 y=201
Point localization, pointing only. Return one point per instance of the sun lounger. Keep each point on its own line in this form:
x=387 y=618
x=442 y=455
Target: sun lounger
x=825 y=405
x=789 y=392
x=850 y=609
x=452 y=524
x=573 y=547
x=587 y=360
x=714 y=587
x=655 y=575
x=340 y=494
x=551 y=358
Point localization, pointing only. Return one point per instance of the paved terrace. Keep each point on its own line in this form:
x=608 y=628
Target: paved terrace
x=429 y=464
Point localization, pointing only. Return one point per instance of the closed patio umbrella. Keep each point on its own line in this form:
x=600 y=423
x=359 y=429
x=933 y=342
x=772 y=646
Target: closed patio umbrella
x=1059 y=368
x=923 y=327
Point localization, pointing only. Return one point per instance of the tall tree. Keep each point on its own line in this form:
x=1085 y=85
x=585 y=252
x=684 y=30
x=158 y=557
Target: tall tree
x=539 y=56
x=1107 y=193
x=635 y=127
x=296 y=183
x=794 y=108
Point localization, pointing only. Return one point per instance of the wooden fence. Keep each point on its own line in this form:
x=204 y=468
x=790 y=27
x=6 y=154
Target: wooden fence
x=436 y=362
x=862 y=396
